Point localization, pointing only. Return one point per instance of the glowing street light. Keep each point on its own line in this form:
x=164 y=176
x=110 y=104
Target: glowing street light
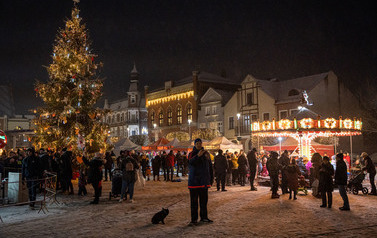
x=238 y=124
x=280 y=145
x=189 y=122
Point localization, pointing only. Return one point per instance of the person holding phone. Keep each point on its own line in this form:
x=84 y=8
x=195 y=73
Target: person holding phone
x=200 y=179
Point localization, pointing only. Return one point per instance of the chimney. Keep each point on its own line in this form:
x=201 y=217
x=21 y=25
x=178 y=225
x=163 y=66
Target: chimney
x=195 y=80
x=106 y=106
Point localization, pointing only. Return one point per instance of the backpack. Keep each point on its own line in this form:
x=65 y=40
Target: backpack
x=129 y=166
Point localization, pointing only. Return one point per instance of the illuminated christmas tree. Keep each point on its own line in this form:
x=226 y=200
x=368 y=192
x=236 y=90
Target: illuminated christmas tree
x=68 y=118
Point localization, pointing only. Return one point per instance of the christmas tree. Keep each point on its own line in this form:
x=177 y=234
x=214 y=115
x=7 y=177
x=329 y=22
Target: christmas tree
x=68 y=117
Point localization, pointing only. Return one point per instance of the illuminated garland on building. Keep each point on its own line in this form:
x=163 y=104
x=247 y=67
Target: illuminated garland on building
x=169 y=98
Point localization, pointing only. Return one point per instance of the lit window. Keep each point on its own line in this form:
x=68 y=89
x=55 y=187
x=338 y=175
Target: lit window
x=152 y=117
x=189 y=112
x=179 y=115
x=161 y=118
x=170 y=117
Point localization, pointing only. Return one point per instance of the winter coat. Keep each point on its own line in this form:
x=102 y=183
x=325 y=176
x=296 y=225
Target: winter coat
x=109 y=162
x=200 y=170
x=273 y=166
x=341 y=173
x=220 y=165
x=369 y=166
x=326 y=172
x=179 y=159
x=44 y=158
x=284 y=161
x=95 y=169
x=66 y=166
x=235 y=162
x=242 y=163
x=292 y=172
x=129 y=176
x=156 y=163
x=170 y=160
x=230 y=166
x=252 y=159
x=31 y=168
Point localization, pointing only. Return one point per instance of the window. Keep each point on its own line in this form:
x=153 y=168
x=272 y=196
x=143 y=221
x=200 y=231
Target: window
x=118 y=118
x=112 y=119
x=293 y=92
x=249 y=99
x=293 y=112
x=161 y=118
x=152 y=118
x=283 y=114
x=133 y=99
x=266 y=116
x=208 y=111
x=214 y=110
x=246 y=120
x=231 y=123
x=121 y=117
x=254 y=118
x=170 y=117
x=189 y=112
x=179 y=115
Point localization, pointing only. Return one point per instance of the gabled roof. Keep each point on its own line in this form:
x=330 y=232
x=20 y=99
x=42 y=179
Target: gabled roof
x=207 y=77
x=279 y=89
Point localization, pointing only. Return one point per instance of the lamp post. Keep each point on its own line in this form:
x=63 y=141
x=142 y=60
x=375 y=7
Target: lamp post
x=155 y=132
x=280 y=145
x=238 y=124
x=189 y=123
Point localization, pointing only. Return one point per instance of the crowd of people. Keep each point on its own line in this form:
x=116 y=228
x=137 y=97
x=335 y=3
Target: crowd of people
x=286 y=171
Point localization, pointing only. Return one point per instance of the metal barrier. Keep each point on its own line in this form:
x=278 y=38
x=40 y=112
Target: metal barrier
x=49 y=192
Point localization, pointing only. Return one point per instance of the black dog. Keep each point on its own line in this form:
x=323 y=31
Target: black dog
x=160 y=216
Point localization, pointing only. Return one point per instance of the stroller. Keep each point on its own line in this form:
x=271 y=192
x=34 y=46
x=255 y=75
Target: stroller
x=356 y=183
x=116 y=184
x=303 y=185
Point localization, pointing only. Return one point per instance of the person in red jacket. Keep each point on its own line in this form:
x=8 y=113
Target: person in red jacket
x=170 y=161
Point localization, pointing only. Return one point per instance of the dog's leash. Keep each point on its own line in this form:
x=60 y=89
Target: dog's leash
x=174 y=203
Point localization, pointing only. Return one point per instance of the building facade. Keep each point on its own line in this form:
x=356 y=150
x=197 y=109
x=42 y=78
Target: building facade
x=263 y=100
x=211 y=113
x=127 y=116
x=175 y=107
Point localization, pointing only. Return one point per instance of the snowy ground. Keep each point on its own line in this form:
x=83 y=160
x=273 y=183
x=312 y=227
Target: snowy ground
x=236 y=213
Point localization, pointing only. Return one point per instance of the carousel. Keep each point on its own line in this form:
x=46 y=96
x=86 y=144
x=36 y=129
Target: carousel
x=305 y=130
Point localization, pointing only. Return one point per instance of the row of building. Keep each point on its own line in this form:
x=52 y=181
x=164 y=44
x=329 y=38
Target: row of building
x=207 y=101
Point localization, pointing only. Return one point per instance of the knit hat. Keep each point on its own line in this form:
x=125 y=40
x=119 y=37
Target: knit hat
x=197 y=140
x=340 y=156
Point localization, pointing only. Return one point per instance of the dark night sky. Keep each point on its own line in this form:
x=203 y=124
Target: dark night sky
x=168 y=39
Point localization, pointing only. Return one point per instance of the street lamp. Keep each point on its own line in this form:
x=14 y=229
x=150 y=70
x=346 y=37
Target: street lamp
x=155 y=131
x=280 y=145
x=189 y=122
x=238 y=124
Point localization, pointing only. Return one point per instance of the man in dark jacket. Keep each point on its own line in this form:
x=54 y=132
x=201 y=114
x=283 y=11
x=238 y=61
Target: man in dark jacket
x=31 y=171
x=66 y=159
x=200 y=179
x=284 y=162
x=341 y=181
x=242 y=167
x=220 y=166
x=371 y=169
x=129 y=166
x=273 y=168
x=156 y=164
x=95 y=175
x=108 y=165
x=252 y=159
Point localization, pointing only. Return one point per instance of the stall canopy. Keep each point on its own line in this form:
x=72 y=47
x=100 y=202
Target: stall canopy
x=125 y=144
x=223 y=144
x=290 y=144
x=174 y=143
x=158 y=145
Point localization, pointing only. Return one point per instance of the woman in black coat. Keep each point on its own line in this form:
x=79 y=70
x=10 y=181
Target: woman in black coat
x=326 y=173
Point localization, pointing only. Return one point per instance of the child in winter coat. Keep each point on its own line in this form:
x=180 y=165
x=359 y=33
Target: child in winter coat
x=148 y=172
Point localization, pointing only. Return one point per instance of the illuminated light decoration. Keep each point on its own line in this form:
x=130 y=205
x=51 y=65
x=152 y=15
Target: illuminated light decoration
x=256 y=126
x=266 y=125
x=347 y=123
x=330 y=123
x=273 y=124
x=285 y=124
x=3 y=139
x=169 y=98
x=295 y=122
x=358 y=125
x=306 y=123
x=308 y=129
